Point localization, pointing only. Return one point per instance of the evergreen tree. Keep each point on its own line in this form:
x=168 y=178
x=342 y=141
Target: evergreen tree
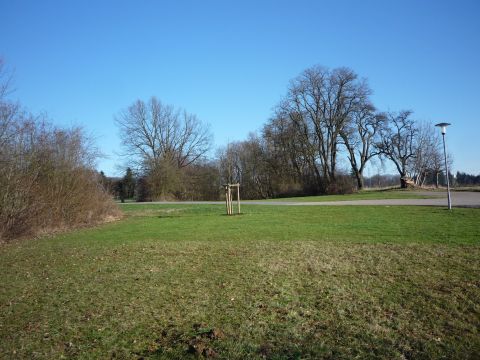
x=120 y=190
x=129 y=184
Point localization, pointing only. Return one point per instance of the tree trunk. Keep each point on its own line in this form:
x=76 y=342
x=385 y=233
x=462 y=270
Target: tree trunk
x=360 y=182
x=403 y=183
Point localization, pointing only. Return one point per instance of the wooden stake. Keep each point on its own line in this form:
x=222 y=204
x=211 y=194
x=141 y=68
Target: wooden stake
x=226 y=198
x=229 y=200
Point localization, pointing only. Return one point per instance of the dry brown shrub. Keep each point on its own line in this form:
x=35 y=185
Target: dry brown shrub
x=47 y=180
x=343 y=184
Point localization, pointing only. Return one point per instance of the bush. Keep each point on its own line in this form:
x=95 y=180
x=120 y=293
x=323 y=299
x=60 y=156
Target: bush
x=342 y=185
x=47 y=182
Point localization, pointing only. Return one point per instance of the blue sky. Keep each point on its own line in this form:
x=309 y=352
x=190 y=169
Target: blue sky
x=230 y=62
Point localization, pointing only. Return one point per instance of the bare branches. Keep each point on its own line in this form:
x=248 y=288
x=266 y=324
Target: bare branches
x=320 y=103
x=398 y=141
x=153 y=132
x=359 y=136
x=429 y=160
x=47 y=181
x=162 y=140
x=246 y=163
x=5 y=80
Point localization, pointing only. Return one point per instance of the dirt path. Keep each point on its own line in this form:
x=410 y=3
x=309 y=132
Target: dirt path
x=460 y=199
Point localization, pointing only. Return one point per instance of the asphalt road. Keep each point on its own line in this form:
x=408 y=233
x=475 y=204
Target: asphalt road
x=459 y=199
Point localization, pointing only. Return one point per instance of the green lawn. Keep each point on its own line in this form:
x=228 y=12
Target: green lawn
x=363 y=195
x=180 y=281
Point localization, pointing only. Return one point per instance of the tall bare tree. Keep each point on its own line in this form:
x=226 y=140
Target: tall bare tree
x=429 y=159
x=152 y=131
x=290 y=159
x=319 y=103
x=427 y=153
x=359 y=136
x=398 y=142
x=161 y=140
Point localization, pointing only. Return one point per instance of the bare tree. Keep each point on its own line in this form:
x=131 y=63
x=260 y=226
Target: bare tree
x=8 y=110
x=359 y=136
x=228 y=163
x=427 y=154
x=152 y=131
x=5 y=80
x=429 y=159
x=398 y=142
x=290 y=159
x=319 y=104
x=246 y=163
x=161 y=140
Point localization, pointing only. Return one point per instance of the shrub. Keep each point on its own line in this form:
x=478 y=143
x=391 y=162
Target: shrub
x=47 y=180
x=342 y=185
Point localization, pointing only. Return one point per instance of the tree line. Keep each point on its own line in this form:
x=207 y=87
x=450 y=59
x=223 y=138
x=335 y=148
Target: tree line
x=464 y=179
x=49 y=182
x=327 y=116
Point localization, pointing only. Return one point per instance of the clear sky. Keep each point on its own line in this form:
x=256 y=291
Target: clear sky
x=230 y=62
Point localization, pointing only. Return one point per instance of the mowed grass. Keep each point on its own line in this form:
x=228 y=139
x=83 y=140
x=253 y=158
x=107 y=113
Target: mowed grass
x=364 y=195
x=186 y=281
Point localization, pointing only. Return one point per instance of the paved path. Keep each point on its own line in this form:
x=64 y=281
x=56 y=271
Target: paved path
x=460 y=199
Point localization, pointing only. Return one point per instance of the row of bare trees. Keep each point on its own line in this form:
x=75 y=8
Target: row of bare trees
x=47 y=176
x=413 y=147
x=326 y=116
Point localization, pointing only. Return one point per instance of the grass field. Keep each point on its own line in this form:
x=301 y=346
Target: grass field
x=180 y=281
x=363 y=195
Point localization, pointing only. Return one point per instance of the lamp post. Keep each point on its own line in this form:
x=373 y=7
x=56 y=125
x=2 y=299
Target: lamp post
x=443 y=129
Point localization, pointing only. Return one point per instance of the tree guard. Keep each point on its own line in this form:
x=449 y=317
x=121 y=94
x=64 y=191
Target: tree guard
x=228 y=198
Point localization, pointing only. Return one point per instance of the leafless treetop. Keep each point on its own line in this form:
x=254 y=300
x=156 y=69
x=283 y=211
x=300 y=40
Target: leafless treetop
x=153 y=131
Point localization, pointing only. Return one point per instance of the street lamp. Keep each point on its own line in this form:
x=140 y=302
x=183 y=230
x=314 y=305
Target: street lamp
x=443 y=129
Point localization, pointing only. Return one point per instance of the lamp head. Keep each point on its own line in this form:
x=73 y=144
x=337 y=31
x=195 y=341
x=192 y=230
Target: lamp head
x=443 y=127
